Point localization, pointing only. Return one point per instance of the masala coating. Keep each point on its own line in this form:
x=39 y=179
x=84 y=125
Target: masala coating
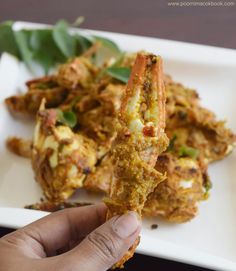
x=60 y=158
x=176 y=199
x=140 y=139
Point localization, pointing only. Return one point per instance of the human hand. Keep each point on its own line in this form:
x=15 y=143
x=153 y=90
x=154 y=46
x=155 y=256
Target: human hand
x=72 y=239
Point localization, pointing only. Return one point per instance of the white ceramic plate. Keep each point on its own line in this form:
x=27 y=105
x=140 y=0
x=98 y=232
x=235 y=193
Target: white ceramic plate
x=210 y=239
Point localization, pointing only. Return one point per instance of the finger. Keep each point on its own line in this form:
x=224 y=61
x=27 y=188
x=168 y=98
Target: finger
x=104 y=246
x=56 y=230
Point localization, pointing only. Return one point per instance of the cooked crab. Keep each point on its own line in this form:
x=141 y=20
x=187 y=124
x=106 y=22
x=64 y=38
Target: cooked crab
x=140 y=140
x=76 y=73
x=176 y=199
x=99 y=122
x=20 y=146
x=65 y=159
x=28 y=104
x=61 y=159
x=199 y=136
x=190 y=125
x=100 y=179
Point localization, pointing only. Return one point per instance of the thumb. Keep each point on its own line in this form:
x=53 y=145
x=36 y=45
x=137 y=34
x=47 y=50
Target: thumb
x=106 y=245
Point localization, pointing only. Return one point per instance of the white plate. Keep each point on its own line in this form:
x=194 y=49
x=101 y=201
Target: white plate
x=210 y=239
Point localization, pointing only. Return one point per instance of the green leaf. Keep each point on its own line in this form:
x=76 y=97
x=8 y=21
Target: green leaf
x=120 y=73
x=117 y=63
x=68 y=118
x=7 y=39
x=108 y=43
x=82 y=44
x=107 y=50
x=23 y=41
x=45 y=51
x=51 y=46
x=64 y=41
x=188 y=151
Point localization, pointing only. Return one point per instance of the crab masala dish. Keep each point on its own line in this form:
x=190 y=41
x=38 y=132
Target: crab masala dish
x=146 y=144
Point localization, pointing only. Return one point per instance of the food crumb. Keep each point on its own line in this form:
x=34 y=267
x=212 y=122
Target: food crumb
x=154 y=226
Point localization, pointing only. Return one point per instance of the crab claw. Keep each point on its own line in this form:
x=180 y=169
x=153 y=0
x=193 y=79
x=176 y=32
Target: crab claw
x=140 y=140
x=143 y=108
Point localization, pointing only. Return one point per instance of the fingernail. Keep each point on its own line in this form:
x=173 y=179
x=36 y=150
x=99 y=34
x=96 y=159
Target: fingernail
x=126 y=225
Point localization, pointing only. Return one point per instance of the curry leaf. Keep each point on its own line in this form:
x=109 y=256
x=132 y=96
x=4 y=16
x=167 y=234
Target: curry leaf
x=7 y=39
x=107 y=50
x=48 y=47
x=188 y=151
x=82 y=44
x=46 y=52
x=23 y=42
x=108 y=43
x=65 y=42
x=67 y=118
x=120 y=73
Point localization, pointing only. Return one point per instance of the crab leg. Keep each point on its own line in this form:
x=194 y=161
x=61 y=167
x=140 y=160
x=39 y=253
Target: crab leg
x=140 y=140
